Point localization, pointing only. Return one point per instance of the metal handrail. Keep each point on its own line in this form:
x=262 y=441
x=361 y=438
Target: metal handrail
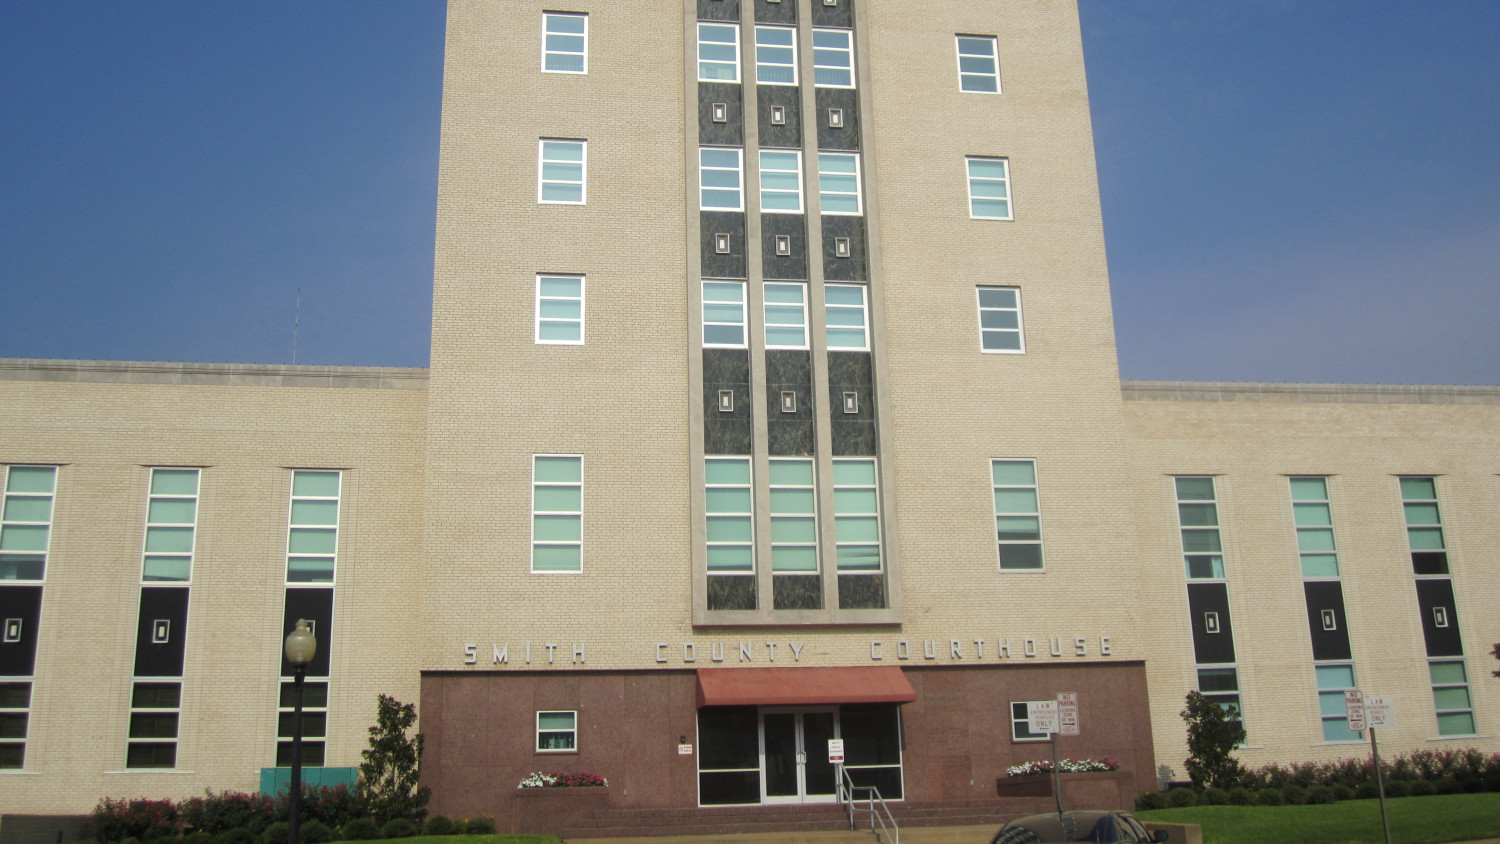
x=846 y=789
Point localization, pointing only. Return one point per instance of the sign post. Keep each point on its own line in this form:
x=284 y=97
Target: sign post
x=1044 y=716
x=836 y=759
x=1371 y=712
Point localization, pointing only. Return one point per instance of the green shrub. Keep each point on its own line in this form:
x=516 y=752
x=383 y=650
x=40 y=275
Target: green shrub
x=439 y=825
x=1448 y=785
x=116 y=820
x=1148 y=800
x=1320 y=795
x=1423 y=788
x=1270 y=796
x=1213 y=797
x=1492 y=780
x=1181 y=798
x=480 y=825
x=1368 y=790
x=130 y=839
x=361 y=829
x=198 y=837
x=315 y=832
x=398 y=828
x=238 y=835
x=276 y=833
x=216 y=813
x=1241 y=797
x=1295 y=794
x=1342 y=792
x=1397 y=788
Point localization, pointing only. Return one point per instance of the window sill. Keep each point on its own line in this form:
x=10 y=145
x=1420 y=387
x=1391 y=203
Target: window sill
x=556 y=753
x=148 y=771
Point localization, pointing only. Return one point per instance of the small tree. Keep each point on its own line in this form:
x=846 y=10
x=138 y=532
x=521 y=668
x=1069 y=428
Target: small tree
x=388 y=774
x=1213 y=732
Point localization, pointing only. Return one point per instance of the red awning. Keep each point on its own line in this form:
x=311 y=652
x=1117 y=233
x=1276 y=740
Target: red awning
x=786 y=686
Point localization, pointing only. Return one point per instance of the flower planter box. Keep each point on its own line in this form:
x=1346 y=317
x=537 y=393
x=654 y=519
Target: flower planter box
x=1094 y=790
x=547 y=811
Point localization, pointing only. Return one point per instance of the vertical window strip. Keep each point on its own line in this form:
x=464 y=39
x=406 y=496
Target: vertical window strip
x=155 y=712
x=718 y=52
x=26 y=522
x=1312 y=513
x=845 y=316
x=730 y=514
x=1198 y=521
x=989 y=188
x=1424 y=526
x=720 y=179
x=314 y=722
x=1000 y=320
x=1018 y=519
x=786 y=315
x=559 y=309
x=171 y=525
x=557 y=513
x=557 y=732
x=856 y=515
x=794 y=517
x=313 y=526
x=1221 y=684
x=1335 y=678
x=781 y=181
x=833 y=58
x=978 y=64
x=839 y=191
x=15 y=719
x=565 y=42
x=561 y=171
x=724 y=314
x=775 y=55
x=1450 y=697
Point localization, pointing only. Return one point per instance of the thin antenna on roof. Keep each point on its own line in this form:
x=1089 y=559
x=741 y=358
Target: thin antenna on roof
x=296 y=318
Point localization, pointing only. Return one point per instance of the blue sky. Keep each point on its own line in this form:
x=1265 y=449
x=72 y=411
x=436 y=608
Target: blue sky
x=1292 y=191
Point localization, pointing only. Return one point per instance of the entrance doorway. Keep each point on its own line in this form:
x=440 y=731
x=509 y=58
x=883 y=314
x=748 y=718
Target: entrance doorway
x=794 y=755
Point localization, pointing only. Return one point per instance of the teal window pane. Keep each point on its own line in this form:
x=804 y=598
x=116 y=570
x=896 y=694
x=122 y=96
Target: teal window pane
x=561 y=286
x=997 y=297
x=784 y=182
x=317 y=512
x=859 y=557
x=988 y=190
x=167 y=568
x=1422 y=513
x=854 y=473
x=1418 y=488
x=729 y=529
x=785 y=294
x=721 y=178
x=557 y=499
x=1336 y=677
x=844 y=294
x=552 y=192
x=558 y=171
x=1315 y=540
x=780 y=202
x=160 y=540
x=27 y=509
x=558 y=470
x=989 y=208
x=1013 y=472
x=730 y=313
x=1015 y=501
x=1205 y=567
x=1002 y=341
x=1198 y=515
x=555 y=720
x=1425 y=539
x=727 y=500
x=857 y=529
x=560 y=331
x=795 y=530
x=1018 y=528
x=792 y=501
x=1454 y=698
x=24 y=538
x=785 y=336
x=315 y=484
x=1218 y=680
x=180 y=511
x=309 y=569
x=724 y=335
x=311 y=541
x=1010 y=320
x=714 y=291
x=1311 y=514
x=557 y=528
x=1196 y=541
x=839 y=204
x=1320 y=565
x=562 y=150
x=561 y=309
x=558 y=43
x=833 y=164
x=565 y=63
x=1337 y=729
x=1331 y=703
x=799 y=558
x=566 y=23
x=785 y=315
x=986 y=84
x=722 y=558
x=174 y=482
x=839 y=316
x=791 y=473
x=718 y=32
x=736 y=471
x=1456 y=724
x=773 y=35
x=21 y=566
x=556 y=558
x=1448 y=673
x=31 y=479
x=719 y=158
x=1020 y=557
x=1195 y=489
x=1309 y=489
x=980 y=168
x=854 y=501
x=846 y=338
x=839 y=187
x=976 y=64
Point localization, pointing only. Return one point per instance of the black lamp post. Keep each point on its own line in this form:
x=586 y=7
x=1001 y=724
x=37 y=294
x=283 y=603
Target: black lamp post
x=300 y=649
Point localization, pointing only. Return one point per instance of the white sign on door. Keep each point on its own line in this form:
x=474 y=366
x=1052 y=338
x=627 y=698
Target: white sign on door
x=835 y=751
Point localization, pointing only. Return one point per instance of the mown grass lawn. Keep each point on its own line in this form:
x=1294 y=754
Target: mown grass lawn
x=473 y=839
x=1414 y=820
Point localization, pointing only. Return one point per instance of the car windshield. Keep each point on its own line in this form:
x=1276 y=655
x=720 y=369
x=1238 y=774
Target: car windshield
x=1069 y=826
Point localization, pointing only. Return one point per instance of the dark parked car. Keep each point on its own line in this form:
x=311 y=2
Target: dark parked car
x=1101 y=827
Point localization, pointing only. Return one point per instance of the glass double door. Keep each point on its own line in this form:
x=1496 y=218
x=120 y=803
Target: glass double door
x=794 y=755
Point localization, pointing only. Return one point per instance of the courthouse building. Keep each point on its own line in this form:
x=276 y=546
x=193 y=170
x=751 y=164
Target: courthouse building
x=773 y=398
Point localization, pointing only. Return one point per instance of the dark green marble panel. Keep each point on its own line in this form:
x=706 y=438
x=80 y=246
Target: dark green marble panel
x=789 y=97
x=861 y=591
x=728 y=10
x=789 y=439
x=854 y=434
x=793 y=266
x=726 y=433
x=732 y=223
x=851 y=268
x=783 y=12
x=845 y=137
x=841 y=14
x=853 y=368
x=731 y=592
x=789 y=366
x=790 y=370
x=797 y=591
x=732 y=365
x=730 y=133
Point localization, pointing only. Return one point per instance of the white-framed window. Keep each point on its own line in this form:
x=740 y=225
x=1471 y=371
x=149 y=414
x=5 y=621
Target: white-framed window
x=718 y=52
x=775 y=55
x=978 y=64
x=1450 y=696
x=1020 y=724
x=565 y=42
x=833 y=58
x=155 y=709
x=839 y=184
x=314 y=721
x=731 y=515
x=846 y=317
x=794 y=516
x=989 y=188
x=26 y=521
x=556 y=513
x=559 y=309
x=313 y=526
x=781 y=181
x=1312 y=513
x=557 y=731
x=561 y=165
x=1424 y=526
x=1334 y=678
x=1221 y=684
x=15 y=718
x=856 y=514
x=724 y=314
x=721 y=180
x=1198 y=520
x=1018 y=516
x=1000 y=330
x=786 y=315
x=171 y=521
